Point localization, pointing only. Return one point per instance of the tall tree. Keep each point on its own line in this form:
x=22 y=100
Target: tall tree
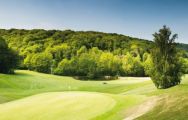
x=8 y=58
x=166 y=70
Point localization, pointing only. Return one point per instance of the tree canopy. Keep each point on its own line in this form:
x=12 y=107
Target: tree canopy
x=77 y=53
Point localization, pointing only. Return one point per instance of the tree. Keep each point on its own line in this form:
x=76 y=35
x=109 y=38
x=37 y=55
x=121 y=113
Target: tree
x=166 y=71
x=82 y=50
x=132 y=66
x=42 y=62
x=27 y=61
x=87 y=66
x=104 y=63
x=64 y=68
x=147 y=63
x=8 y=58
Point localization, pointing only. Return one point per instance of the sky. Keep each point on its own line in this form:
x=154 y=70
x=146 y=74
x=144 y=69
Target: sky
x=136 y=18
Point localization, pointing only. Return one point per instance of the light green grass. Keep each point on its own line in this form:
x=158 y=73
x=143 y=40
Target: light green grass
x=30 y=95
x=58 y=106
x=26 y=83
x=68 y=106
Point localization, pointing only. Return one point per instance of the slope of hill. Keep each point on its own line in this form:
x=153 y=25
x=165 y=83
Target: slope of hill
x=51 y=51
x=17 y=38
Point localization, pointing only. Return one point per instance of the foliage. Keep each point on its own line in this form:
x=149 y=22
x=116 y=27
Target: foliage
x=132 y=66
x=8 y=58
x=147 y=63
x=166 y=71
x=90 y=54
x=41 y=62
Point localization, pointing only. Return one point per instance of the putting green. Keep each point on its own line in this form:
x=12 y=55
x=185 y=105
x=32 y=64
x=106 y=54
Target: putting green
x=58 y=106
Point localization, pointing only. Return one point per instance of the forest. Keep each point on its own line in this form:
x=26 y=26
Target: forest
x=85 y=54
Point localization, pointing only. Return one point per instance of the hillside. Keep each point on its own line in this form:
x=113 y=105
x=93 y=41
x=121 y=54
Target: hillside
x=104 y=41
x=18 y=37
x=119 y=99
x=183 y=46
x=88 y=55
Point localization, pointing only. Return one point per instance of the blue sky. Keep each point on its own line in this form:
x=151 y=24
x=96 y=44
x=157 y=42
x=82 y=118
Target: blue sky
x=137 y=18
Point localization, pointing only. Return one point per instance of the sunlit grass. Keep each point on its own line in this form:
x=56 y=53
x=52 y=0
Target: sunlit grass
x=30 y=95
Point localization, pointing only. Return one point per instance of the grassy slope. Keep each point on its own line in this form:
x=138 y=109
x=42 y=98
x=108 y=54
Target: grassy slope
x=26 y=83
x=125 y=93
x=173 y=104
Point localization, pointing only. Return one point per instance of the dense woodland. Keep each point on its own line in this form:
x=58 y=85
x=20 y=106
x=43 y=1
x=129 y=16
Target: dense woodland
x=88 y=54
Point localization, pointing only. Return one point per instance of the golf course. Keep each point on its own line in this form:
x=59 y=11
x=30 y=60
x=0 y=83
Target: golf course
x=28 y=95
x=94 y=60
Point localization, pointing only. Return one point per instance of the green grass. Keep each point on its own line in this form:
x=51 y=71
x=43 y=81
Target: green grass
x=57 y=105
x=26 y=83
x=30 y=95
x=173 y=104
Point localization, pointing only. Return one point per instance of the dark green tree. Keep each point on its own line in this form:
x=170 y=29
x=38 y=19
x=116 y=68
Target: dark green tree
x=166 y=69
x=8 y=58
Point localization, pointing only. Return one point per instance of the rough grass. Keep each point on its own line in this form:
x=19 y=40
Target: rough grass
x=173 y=104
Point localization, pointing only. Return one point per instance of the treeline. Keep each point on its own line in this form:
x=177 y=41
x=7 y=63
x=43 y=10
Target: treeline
x=90 y=54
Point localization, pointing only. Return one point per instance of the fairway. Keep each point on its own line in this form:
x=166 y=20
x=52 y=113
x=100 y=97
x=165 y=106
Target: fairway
x=58 y=106
x=30 y=95
x=25 y=83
